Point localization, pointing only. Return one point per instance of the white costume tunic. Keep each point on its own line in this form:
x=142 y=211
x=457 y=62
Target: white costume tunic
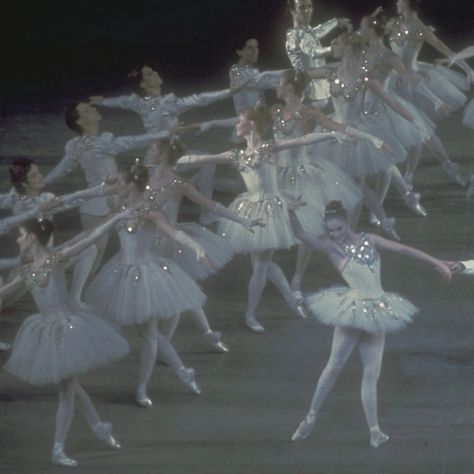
x=363 y=304
x=406 y=42
x=263 y=200
x=63 y=339
x=305 y=52
x=167 y=198
x=315 y=179
x=137 y=285
x=97 y=158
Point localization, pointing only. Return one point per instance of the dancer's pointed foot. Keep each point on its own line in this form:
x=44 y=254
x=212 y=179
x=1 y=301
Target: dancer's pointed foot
x=377 y=437
x=374 y=221
x=58 y=457
x=296 y=288
x=188 y=379
x=214 y=339
x=387 y=224
x=142 y=398
x=103 y=431
x=305 y=428
x=452 y=170
x=412 y=200
x=252 y=323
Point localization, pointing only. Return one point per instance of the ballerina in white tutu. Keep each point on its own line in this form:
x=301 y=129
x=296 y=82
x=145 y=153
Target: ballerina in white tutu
x=362 y=312
x=165 y=191
x=66 y=338
x=264 y=201
x=137 y=287
x=407 y=35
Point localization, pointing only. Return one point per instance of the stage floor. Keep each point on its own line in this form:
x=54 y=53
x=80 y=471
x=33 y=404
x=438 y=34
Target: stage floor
x=254 y=397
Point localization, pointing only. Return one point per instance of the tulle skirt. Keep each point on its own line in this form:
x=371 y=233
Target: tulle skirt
x=134 y=293
x=468 y=119
x=271 y=209
x=342 y=306
x=48 y=350
x=217 y=248
x=317 y=182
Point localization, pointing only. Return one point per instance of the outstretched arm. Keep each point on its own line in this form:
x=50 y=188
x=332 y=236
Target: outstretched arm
x=66 y=165
x=411 y=252
x=218 y=123
x=73 y=249
x=11 y=287
x=127 y=102
x=200 y=100
x=219 y=158
x=307 y=140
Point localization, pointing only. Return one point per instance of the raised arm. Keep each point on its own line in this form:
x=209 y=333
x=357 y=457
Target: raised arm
x=219 y=158
x=268 y=79
x=70 y=250
x=200 y=100
x=411 y=252
x=127 y=102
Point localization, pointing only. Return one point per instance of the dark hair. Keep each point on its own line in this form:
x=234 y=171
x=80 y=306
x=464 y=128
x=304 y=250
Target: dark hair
x=71 y=117
x=353 y=39
x=137 y=174
x=172 y=147
x=242 y=42
x=42 y=229
x=378 y=21
x=335 y=209
x=291 y=4
x=19 y=169
x=298 y=79
x=136 y=74
x=262 y=118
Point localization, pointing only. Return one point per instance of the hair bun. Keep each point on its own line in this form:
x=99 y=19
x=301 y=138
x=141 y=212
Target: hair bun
x=335 y=209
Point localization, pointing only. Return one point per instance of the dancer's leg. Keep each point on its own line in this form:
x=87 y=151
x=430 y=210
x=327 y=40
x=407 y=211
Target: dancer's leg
x=343 y=343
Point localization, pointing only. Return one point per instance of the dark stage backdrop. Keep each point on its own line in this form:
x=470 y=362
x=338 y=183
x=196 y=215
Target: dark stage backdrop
x=54 y=51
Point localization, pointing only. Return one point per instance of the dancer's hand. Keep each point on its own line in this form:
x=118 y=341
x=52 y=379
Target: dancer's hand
x=204 y=258
x=454 y=267
x=341 y=137
x=96 y=100
x=443 y=270
x=251 y=223
x=51 y=204
x=294 y=204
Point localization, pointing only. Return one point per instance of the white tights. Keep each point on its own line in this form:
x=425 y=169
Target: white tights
x=69 y=390
x=371 y=347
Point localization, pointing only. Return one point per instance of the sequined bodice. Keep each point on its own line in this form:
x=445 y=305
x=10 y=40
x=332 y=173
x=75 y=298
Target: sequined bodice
x=347 y=97
x=166 y=198
x=362 y=270
x=137 y=237
x=406 y=42
x=258 y=169
x=48 y=287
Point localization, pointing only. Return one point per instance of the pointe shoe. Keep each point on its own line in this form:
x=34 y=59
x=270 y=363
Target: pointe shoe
x=253 y=324
x=214 y=339
x=4 y=347
x=142 y=398
x=378 y=438
x=412 y=200
x=296 y=288
x=452 y=170
x=374 y=221
x=103 y=431
x=296 y=304
x=58 y=457
x=188 y=378
x=387 y=224
x=305 y=428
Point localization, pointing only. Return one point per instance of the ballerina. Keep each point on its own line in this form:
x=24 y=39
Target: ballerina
x=416 y=132
x=143 y=288
x=304 y=48
x=66 y=338
x=165 y=191
x=264 y=201
x=361 y=312
x=407 y=34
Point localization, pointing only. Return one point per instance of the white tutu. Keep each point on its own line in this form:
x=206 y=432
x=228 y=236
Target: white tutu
x=217 y=248
x=317 y=182
x=345 y=307
x=272 y=210
x=50 y=349
x=136 y=292
x=468 y=119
